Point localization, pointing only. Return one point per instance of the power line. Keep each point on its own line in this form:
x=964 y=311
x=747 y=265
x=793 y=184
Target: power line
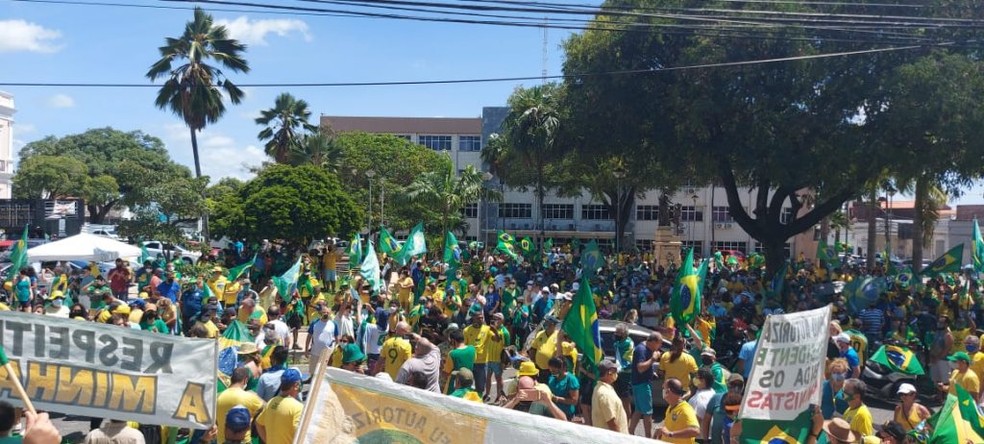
x=484 y=80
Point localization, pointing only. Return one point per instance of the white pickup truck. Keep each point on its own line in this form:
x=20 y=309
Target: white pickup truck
x=156 y=248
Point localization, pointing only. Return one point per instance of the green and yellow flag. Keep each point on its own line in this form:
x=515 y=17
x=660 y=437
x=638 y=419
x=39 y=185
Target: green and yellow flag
x=969 y=411
x=507 y=245
x=387 y=243
x=452 y=251
x=18 y=256
x=826 y=253
x=949 y=262
x=685 y=300
x=239 y=270
x=977 y=249
x=581 y=326
x=950 y=426
x=758 y=431
x=415 y=245
x=591 y=259
x=527 y=247
x=355 y=251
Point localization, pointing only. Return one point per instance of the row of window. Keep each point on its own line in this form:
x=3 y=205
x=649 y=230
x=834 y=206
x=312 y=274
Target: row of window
x=443 y=142
x=599 y=212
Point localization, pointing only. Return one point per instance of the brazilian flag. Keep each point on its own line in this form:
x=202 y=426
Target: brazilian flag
x=950 y=426
x=507 y=245
x=977 y=249
x=355 y=250
x=581 y=326
x=685 y=300
x=387 y=243
x=452 y=251
x=949 y=262
x=899 y=359
x=760 y=431
x=756 y=262
x=591 y=259
x=527 y=247
x=968 y=410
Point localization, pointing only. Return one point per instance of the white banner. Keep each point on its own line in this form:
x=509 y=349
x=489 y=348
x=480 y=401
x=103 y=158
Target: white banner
x=787 y=370
x=346 y=406
x=105 y=371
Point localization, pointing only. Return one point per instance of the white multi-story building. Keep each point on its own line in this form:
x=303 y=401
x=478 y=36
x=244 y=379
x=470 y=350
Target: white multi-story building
x=706 y=223
x=7 y=111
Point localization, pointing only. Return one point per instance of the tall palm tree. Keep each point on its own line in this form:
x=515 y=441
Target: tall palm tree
x=448 y=193
x=284 y=123
x=930 y=198
x=532 y=129
x=192 y=90
x=317 y=149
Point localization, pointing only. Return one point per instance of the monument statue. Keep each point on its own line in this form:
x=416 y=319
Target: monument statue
x=665 y=210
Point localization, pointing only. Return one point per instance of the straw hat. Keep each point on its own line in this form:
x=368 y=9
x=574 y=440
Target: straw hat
x=840 y=430
x=247 y=348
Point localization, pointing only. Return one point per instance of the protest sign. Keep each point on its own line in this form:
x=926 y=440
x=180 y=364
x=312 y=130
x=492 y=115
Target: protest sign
x=345 y=407
x=787 y=370
x=105 y=371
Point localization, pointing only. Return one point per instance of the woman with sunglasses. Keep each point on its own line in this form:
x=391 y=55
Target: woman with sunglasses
x=909 y=413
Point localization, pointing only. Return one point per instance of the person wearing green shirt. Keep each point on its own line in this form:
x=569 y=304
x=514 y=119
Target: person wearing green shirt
x=461 y=355
x=623 y=357
x=150 y=322
x=463 y=386
x=96 y=291
x=708 y=358
x=509 y=294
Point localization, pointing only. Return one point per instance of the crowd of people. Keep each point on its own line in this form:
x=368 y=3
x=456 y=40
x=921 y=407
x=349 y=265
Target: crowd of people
x=457 y=331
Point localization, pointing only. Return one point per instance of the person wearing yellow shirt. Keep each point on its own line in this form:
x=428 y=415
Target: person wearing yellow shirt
x=236 y=395
x=681 y=425
x=230 y=294
x=544 y=347
x=249 y=310
x=962 y=376
x=395 y=350
x=678 y=364
x=329 y=265
x=973 y=346
x=497 y=342
x=857 y=414
x=217 y=284
x=405 y=294
x=278 y=422
x=477 y=335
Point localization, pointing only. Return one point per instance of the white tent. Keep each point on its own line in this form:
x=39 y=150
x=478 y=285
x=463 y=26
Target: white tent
x=82 y=247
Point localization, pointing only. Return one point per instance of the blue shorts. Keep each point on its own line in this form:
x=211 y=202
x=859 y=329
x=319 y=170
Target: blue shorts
x=330 y=275
x=494 y=368
x=642 y=398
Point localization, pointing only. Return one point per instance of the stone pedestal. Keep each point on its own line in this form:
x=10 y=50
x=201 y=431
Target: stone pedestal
x=666 y=247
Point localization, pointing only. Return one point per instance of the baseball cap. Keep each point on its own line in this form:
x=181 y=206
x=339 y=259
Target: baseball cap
x=905 y=389
x=238 y=419
x=607 y=365
x=290 y=376
x=551 y=319
x=959 y=356
x=708 y=352
x=843 y=337
x=527 y=368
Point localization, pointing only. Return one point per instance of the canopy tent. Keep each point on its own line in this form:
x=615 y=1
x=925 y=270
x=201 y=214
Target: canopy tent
x=82 y=247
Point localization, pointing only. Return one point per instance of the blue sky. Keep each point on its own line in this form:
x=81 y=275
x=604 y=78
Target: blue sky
x=65 y=43
x=89 y=44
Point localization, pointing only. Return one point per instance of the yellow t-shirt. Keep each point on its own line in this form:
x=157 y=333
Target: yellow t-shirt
x=967 y=380
x=679 y=417
x=281 y=418
x=211 y=329
x=681 y=369
x=958 y=340
x=545 y=347
x=394 y=353
x=977 y=364
x=230 y=293
x=606 y=405
x=230 y=398
x=495 y=347
x=258 y=313
x=478 y=337
x=860 y=420
x=217 y=288
x=406 y=291
x=330 y=260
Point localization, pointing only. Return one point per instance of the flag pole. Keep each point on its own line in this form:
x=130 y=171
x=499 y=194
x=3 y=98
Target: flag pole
x=19 y=388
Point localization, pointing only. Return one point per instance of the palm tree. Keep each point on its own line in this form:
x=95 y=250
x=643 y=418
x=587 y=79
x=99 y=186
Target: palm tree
x=448 y=193
x=283 y=124
x=317 y=149
x=930 y=198
x=192 y=90
x=532 y=129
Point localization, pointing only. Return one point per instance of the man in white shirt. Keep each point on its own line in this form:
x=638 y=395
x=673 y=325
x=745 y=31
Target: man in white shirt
x=280 y=327
x=321 y=336
x=649 y=312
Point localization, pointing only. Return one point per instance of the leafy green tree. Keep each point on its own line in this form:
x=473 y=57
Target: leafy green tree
x=172 y=204
x=530 y=140
x=120 y=166
x=49 y=177
x=395 y=162
x=447 y=193
x=297 y=204
x=225 y=208
x=193 y=90
x=318 y=149
x=283 y=127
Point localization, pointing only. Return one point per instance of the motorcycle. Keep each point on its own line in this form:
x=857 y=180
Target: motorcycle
x=882 y=380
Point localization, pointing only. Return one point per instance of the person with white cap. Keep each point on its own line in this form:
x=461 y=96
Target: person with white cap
x=843 y=342
x=909 y=413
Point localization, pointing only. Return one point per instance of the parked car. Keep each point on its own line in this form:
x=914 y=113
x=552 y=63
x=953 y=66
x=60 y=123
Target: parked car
x=156 y=248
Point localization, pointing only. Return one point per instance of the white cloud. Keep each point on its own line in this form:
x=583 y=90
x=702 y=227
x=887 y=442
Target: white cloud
x=19 y=35
x=254 y=32
x=24 y=128
x=61 y=101
x=221 y=156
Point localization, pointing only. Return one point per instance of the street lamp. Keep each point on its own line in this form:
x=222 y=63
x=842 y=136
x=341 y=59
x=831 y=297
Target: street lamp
x=486 y=178
x=370 y=174
x=619 y=174
x=888 y=219
x=693 y=218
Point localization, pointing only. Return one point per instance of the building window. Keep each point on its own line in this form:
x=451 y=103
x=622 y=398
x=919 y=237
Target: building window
x=697 y=245
x=644 y=244
x=786 y=216
x=436 y=143
x=558 y=211
x=732 y=246
x=469 y=143
x=691 y=214
x=516 y=211
x=604 y=243
x=470 y=211
x=595 y=212
x=721 y=214
x=647 y=212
